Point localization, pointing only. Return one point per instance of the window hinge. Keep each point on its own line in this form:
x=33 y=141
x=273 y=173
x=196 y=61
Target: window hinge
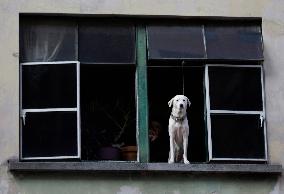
x=261 y=117
x=23 y=115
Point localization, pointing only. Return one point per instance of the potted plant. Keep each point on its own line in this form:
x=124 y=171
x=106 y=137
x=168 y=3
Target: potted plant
x=129 y=152
x=120 y=117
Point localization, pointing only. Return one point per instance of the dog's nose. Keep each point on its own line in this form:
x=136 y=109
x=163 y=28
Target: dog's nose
x=181 y=105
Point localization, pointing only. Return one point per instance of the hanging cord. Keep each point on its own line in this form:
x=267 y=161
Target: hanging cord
x=182 y=64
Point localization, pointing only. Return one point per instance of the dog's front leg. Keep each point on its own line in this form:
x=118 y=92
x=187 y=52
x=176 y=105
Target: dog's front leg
x=185 y=144
x=171 y=157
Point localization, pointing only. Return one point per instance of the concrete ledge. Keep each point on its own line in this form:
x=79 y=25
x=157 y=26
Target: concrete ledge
x=135 y=167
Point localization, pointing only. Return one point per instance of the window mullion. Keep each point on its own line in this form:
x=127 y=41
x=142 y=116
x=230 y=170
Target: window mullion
x=141 y=95
x=208 y=119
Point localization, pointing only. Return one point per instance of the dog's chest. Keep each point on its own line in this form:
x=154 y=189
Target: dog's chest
x=177 y=129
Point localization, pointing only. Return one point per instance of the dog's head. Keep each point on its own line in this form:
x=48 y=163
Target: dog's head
x=179 y=102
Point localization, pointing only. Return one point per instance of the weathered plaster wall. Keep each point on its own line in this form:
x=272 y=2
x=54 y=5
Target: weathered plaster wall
x=272 y=12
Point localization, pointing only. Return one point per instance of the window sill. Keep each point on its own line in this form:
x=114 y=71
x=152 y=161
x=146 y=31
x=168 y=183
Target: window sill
x=135 y=167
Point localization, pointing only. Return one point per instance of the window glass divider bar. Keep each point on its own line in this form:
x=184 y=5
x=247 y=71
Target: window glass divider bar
x=24 y=111
x=264 y=113
x=20 y=112
x=174 y=66
x=204 y=40
x=208 y=119
x=78 y=111
x=231 y=65
x=50 y=110
x=240 y=159
x=109 y=64
x=48 y=62
x=51 y=157
x=236 y=112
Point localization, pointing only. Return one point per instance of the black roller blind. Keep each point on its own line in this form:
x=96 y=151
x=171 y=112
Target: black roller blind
x=171 y=42
x=240 y=42
x=101 y=42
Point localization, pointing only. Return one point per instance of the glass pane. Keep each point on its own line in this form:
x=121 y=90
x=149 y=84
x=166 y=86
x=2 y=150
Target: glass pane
x=233 y=88
x=175 y=42
x=233 y=42
x=50 y=134
x=106 y=43
x=47 y=40
x=49 y=86
x=237 y=136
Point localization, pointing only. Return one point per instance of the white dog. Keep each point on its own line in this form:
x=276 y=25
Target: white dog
x=178 y=129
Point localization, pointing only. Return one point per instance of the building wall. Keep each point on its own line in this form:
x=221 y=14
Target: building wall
x=272 y=12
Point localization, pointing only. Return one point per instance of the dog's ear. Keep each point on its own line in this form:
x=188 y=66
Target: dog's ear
x=170 y=103
x=188 y=102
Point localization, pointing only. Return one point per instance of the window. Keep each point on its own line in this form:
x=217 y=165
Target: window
x=235 y=113
x=226 y=117
x=50 y=120
x=87 y=83
x=78 y=88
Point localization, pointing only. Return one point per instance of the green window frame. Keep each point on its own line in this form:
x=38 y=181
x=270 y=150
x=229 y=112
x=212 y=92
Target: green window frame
x=142 y=97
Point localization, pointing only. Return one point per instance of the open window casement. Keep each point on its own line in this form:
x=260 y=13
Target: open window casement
x=50 y=112
x=235 y=113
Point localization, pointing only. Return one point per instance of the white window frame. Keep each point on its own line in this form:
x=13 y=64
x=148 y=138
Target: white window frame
x=209 y=112
x=41 y=110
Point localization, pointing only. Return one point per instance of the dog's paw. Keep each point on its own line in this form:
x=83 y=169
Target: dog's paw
x=186 y=161
x=171 y=161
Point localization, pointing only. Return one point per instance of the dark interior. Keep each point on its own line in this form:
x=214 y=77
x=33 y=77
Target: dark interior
x=163 y=84
x=107 y=108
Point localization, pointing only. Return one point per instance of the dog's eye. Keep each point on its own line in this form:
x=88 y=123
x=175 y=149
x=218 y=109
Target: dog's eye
x=184 y=100
x=176 y=100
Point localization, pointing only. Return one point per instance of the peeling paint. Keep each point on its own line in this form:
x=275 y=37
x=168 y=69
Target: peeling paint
x=129 y=190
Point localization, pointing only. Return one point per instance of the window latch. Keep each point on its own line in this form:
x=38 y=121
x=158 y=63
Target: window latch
x=23 y=115
x=261 y=120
